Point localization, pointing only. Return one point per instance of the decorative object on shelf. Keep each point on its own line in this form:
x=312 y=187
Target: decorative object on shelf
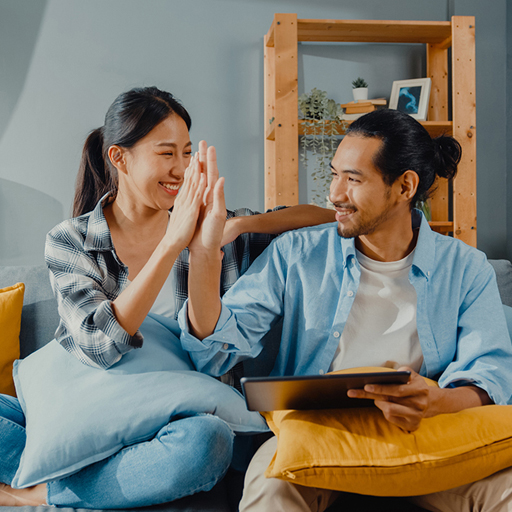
x=353 y=110
x=321 y=116
x=360 y=89
x=411 y=97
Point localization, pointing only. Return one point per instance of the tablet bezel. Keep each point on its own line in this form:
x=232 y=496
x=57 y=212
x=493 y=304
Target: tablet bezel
x=309 y=392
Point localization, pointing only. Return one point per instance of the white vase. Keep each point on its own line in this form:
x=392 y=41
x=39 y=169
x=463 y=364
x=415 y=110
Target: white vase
x=360 y=93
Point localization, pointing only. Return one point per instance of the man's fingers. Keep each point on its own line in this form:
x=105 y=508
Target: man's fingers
x=219 y=203
x=212 y=169
x=399 y=415
x=202 y=149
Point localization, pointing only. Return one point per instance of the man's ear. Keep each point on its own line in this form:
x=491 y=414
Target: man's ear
x=116 y=155
x=409 y=182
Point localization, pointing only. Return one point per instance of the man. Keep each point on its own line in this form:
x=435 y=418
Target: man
x=378 y=288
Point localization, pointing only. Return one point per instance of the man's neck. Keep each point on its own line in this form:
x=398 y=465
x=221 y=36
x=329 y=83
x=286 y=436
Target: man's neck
x=391 y=242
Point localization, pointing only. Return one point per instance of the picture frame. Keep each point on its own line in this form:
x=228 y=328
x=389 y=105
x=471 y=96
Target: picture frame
x=411 y=97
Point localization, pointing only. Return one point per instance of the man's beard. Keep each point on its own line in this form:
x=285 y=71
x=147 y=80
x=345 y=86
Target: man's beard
x=364 y=228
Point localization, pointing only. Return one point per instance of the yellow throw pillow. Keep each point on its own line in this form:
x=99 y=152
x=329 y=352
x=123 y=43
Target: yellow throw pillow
x=359 y=451
x=11 y=304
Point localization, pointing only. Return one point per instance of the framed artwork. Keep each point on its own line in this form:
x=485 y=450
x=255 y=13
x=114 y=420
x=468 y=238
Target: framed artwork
x=411 y=97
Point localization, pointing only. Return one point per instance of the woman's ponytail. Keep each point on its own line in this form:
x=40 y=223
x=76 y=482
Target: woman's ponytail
x=94 y=177
x=448 y=153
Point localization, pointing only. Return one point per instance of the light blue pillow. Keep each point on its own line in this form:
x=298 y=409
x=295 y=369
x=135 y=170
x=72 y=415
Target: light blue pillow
x=77 y=415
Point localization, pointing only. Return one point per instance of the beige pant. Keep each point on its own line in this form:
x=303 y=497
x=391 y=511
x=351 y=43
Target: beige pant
x=492 y=494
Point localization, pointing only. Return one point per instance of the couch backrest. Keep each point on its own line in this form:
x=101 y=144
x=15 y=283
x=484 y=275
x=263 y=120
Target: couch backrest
x=40 y=317
x=503 y=269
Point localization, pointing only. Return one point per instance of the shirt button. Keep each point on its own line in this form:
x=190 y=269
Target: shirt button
x=350 y=293
x=336 y=334
x=225 y=346
x=321 y=372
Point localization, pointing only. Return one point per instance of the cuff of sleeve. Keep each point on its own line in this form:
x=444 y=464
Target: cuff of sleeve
x=460 y=379
x=192 y=344
x=106 y=321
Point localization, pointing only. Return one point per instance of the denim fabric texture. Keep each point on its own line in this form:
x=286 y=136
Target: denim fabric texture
x=12 y=437
x=186 y=456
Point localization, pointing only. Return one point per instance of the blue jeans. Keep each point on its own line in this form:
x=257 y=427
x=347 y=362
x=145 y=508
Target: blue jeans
x=188 y=455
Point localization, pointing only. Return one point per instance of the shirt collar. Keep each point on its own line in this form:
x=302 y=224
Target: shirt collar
x=425 y=245
x=97 y=236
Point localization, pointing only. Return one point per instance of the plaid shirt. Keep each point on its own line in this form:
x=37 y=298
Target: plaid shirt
x=86 y=276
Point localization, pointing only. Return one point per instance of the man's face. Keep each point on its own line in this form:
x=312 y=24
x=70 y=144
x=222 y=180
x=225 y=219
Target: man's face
x=363 y=201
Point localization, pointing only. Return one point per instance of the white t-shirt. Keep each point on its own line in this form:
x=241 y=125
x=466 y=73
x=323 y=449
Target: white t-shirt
x=165 y=303
x=381 y=326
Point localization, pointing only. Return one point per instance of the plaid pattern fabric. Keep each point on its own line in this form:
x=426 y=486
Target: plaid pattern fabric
x=87 y=276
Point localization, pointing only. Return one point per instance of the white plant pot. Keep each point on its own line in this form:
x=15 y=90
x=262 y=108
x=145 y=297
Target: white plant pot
x=360 y=94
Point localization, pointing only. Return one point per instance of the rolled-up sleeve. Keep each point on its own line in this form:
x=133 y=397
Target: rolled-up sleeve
x=484 y=348
x=85 y=284
x=249 y=310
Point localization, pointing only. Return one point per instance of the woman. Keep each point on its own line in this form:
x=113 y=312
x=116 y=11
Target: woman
x=111 y=266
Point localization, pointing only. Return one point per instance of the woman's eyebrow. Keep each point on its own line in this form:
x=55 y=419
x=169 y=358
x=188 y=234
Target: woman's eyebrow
x=171 y=144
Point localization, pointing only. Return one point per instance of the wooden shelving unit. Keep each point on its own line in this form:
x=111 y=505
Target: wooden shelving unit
x=457 y=216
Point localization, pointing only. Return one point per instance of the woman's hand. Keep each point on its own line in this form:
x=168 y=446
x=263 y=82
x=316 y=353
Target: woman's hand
x=405 y=405
x=209 y=234
x=187 y=207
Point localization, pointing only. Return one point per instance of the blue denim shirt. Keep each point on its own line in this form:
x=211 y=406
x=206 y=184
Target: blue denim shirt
x=310 y=277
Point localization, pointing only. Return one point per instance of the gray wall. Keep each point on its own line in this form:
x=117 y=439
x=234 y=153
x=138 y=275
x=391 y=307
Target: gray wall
x=62 y=62
x=508 y=88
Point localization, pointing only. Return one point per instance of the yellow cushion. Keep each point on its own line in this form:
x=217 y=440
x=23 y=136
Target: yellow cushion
x=11 y=303
x=358 y=450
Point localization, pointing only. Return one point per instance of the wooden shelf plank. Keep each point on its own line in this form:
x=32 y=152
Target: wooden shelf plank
x=434 y=128
x=375 y=31
x=441 y=226
x=269 y=38
x=271 y=132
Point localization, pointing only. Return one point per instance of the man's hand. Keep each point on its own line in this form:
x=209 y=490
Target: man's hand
x=209 y=233
x=405 y=405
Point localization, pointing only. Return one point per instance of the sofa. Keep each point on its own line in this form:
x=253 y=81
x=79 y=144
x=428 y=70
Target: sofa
x=40 y=319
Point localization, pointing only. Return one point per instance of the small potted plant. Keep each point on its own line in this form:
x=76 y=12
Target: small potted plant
x=320 y=137
x=360 y=89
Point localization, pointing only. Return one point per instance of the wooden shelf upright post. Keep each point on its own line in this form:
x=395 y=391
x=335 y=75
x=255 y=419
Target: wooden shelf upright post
x=281 y=98
x=464 y=126
x=437 y=70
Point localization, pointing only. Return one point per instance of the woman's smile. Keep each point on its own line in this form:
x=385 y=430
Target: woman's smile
x=170 y=188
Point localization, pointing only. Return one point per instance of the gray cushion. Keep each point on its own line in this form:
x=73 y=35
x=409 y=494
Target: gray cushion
x=503 y=269
x=40 y=317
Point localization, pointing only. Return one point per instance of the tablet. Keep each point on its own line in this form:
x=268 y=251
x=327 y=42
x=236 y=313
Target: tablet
x=313 y=391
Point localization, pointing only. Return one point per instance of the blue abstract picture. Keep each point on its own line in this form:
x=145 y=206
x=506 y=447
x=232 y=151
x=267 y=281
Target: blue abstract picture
x=409 y=99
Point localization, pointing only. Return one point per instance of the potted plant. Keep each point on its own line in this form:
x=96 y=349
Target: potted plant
x=321 y=123
x=360 y=89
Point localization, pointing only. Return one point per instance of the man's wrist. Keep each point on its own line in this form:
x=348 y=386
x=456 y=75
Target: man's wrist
x=204 y=256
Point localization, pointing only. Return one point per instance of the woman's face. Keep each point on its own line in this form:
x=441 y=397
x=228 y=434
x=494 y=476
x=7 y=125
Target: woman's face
x=155 y=165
